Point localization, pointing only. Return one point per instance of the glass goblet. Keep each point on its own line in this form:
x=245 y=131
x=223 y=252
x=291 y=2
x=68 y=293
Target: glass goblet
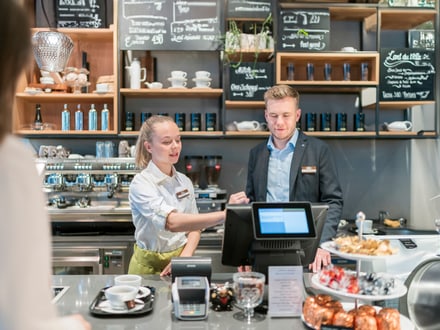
x=248 y=291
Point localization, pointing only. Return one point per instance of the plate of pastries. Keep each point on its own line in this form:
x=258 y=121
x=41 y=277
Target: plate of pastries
x=321 y=310
x=351 y=247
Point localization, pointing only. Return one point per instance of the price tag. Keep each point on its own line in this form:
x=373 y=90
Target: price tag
x=286 y=291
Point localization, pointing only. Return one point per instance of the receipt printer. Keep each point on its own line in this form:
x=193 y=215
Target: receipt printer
x=190 y=297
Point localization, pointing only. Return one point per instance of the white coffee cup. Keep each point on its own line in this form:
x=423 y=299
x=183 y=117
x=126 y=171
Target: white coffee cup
x=102 y=88
x=118 y=295
x=203 y=74
x=178 y=74
x=367 y=226
x=129 y=279
x=178 y=83
x=203 y=83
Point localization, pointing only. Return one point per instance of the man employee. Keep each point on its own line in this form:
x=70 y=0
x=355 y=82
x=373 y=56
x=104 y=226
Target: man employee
x=291 y=166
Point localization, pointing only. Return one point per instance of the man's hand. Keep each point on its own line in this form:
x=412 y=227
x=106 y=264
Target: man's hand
x=239 y=198
x=322 y=259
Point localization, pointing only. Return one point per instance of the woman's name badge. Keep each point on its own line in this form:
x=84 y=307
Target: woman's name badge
x=182 y=194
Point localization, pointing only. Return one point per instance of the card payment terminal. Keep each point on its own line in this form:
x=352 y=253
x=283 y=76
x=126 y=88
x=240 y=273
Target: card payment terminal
x=190 y=297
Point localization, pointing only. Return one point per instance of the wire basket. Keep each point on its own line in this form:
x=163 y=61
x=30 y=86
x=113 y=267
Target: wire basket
x=51 y=50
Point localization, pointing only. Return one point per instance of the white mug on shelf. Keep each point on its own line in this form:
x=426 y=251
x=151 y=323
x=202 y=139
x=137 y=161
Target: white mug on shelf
x=203 y=74
x=178 y=74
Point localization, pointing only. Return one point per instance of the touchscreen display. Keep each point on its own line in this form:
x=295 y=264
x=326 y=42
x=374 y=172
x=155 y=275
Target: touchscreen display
x=283 y=220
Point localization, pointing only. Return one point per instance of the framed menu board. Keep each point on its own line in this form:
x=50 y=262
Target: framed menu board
x=304 y=30
x=169 y=25
x=249 y=8
x=250 y=80
x=407 y=74
x=80 y=14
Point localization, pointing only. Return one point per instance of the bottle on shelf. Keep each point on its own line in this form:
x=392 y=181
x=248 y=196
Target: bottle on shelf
x=65 y=119
x=79 y=119
x=93 y=118
x=38 y=122
x=105 y=118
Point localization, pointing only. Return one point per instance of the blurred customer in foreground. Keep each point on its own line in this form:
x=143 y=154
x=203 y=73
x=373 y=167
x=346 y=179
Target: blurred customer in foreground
x=305 y=160
x=25 y=243
x=162 y=201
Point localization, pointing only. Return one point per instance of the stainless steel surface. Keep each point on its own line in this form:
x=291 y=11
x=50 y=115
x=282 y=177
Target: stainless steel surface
x=421 y=304
x=83 y=289
x=83 y=255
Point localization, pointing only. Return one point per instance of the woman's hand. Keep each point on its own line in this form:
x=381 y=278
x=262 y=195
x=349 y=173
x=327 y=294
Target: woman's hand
x=166 y=271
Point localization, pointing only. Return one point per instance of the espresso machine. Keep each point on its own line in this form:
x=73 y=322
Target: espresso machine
x=204 y=172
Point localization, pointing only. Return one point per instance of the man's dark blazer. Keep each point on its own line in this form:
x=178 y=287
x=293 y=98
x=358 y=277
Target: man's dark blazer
x=313 y=178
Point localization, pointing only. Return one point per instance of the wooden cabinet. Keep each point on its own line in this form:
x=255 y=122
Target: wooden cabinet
x=99 y=46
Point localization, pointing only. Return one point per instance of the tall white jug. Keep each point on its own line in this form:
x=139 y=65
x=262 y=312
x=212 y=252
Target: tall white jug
x=137 y=74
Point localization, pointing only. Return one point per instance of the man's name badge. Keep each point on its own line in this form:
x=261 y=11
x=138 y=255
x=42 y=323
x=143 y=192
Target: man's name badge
x=182 y=194
x=308 y=169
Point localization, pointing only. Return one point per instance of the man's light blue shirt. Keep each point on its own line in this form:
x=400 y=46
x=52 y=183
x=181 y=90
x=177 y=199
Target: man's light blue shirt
x=278 y=176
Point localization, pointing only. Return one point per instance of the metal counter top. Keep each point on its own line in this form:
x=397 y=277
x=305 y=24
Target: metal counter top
x=84 y=288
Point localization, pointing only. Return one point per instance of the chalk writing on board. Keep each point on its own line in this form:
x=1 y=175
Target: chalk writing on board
x=245 y=8
x=169 y=25
x=250 y=81
x=407 y=74
x=304 y=30
x=80 y=13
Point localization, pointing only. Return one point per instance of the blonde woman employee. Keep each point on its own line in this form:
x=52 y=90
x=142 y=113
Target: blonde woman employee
x=162 y=201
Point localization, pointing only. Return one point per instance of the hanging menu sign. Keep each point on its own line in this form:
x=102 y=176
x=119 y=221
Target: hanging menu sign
x=80 y=14
x=169 y=25
x=407 y=75
x=249 y=80
x=247 y=8
x=304 y=30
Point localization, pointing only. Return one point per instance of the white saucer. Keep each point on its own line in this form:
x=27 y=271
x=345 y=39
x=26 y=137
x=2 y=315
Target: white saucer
x=144 y=292
x=202 y=79
x=200 y=87
x=100 y=92
x=106 y=307
x=175 y=87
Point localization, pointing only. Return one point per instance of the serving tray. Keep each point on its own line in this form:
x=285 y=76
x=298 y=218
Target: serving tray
x=100 y=306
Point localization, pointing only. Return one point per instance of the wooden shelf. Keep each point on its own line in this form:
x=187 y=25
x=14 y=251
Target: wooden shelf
x=239 y=56
x=64 y=97
x=82 y=34
x=405 y=19
x=28 y=132
x=244 y=104
x=397 y=105
x=213 y=134
x=336 y=59
x=173 y=92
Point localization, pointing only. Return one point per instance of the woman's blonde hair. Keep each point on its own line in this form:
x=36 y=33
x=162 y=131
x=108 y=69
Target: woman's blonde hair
x=14 y=54
x=143 y=157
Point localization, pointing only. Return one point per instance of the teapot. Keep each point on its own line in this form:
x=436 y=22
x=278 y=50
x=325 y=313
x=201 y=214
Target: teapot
x=154 y=85
x=399 y=126
x=251 y=125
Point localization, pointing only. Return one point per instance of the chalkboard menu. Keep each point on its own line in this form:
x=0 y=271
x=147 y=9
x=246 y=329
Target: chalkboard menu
x=304 y=30
x=407 y=75
x=249 y=9
x=169 y=25
x=249 y=80
x=80 y=14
